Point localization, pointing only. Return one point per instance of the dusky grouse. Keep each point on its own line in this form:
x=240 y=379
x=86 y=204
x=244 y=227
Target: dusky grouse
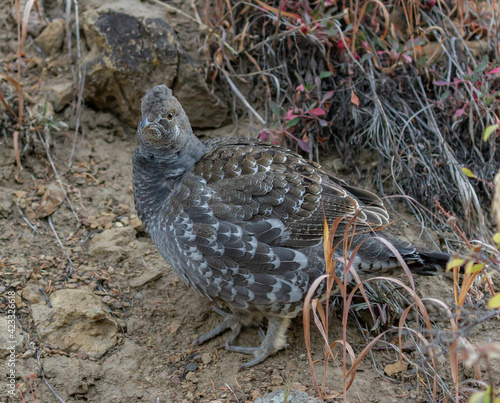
x=241 y=221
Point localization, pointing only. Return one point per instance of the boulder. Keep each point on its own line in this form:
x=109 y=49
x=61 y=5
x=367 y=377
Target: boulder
x=52 y=37
x=112 y=243
x=76 y=321
x=58 y=91
x=132 y=51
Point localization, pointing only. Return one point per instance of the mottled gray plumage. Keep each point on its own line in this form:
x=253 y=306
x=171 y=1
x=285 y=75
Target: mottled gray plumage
x=241 y=221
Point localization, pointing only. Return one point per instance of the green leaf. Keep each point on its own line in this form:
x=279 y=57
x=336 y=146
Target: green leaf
x=292 y=122
x=482 y=66
x=494 y=303
x=325 y=74
x=275 y=108
x=468 y=267
x=298 y=76
x=454 y=263
x=489 y=100
x=477 y=267
x=380 y=43
x=477 y=397
x=468 y=172
x=496 y=238
x=365 y=57
x=444 y=95
x=349 y=29
x=489 y=131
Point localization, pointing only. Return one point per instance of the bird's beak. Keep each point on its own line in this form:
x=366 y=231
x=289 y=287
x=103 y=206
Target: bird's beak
x=145 y=123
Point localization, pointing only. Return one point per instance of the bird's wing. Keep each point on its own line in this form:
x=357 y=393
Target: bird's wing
x=258 y=184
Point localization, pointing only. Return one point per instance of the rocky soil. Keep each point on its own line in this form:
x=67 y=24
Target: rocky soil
x=100 y=316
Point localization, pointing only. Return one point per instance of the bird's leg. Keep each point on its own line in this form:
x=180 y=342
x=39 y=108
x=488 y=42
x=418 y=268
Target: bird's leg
x=273 y=341
x=231 y=321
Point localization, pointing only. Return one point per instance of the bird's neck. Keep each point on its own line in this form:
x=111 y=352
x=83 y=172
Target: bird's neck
x=157 y=170
x=168 y=162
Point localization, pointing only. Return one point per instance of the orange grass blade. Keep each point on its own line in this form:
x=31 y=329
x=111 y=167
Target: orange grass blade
x=276 y=11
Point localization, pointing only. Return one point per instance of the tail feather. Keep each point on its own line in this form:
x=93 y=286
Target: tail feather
x=375 y=257
x=430 y=263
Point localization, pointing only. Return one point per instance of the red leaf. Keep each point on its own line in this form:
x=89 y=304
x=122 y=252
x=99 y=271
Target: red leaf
x=317 y=111
x=460 y=112
x=343 y=45
x=457 y=81
x=441 y=83
x=290 y=115
x=300 y=88
x=302 y=144
x=494 y=71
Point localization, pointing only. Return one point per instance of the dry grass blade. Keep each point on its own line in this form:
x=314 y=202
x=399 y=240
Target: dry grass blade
x=306 y=319
x=436 y=51
x=496 y=201
x=26 y=16
x=4 y=102
x=58 y=178
x=362 y=13
x=40 y=367
x=401 y=261
x=242 y=97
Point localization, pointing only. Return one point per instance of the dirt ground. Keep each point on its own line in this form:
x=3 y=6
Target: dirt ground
x=152 y=359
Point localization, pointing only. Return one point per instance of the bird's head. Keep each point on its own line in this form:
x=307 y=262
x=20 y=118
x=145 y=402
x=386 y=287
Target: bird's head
x=164 y=124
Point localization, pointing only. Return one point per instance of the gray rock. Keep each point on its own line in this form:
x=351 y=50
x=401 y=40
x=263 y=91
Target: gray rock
x=52 y=37
x=112 y=243
x=59 y=92
x=292 y=396
x=131 y=52
x=6 y=202
x=31 y=294
x=78 y=321
x=145 y=278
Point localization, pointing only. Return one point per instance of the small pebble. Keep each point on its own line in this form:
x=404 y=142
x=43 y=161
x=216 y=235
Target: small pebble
x=191 y=367
x=276 y=380
x=206 y=358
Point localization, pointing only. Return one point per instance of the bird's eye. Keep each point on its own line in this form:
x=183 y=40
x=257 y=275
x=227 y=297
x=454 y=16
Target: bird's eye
x=170 y=115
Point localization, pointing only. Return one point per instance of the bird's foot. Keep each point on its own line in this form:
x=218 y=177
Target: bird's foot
x=272 y=341
x=231 y=321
